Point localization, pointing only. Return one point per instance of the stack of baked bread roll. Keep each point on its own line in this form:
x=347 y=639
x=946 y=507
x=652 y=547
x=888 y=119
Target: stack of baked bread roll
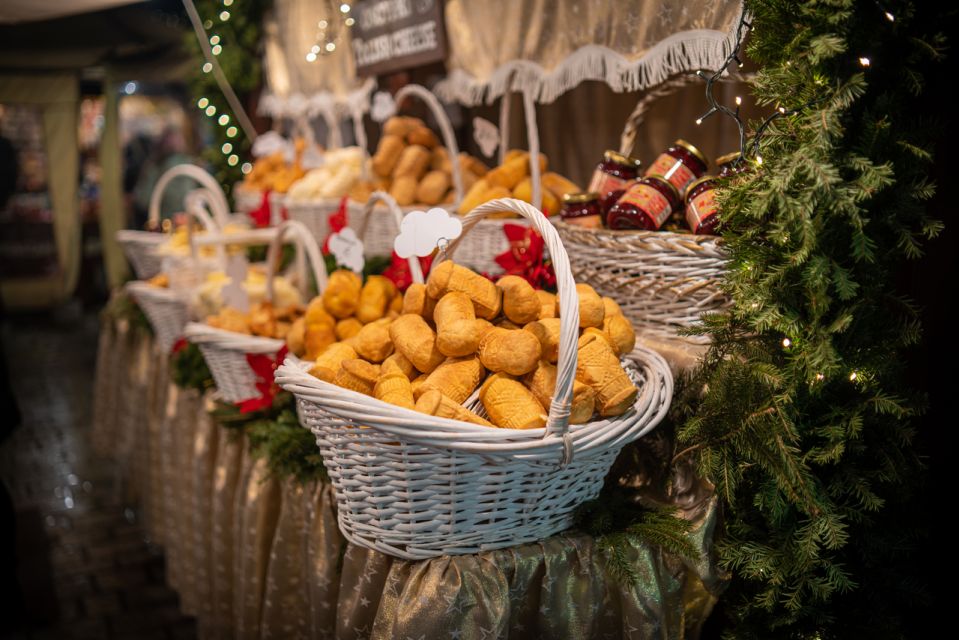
x=274 y=173
x=432 y=348
x=512 y=180
x=415 y=168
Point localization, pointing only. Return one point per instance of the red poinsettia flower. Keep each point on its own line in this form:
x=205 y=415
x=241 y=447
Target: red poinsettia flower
x=179 y=345
x=261 y=215
x=399 y=270
x=524 y=257
x=337 y=221
x=264 y=368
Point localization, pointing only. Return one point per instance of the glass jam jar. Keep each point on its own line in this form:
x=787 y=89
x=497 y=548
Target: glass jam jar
x=681 y=163
x=646 y=204
x=611 y=177
x=701 y=206
x=727 y=164
x=582 y=210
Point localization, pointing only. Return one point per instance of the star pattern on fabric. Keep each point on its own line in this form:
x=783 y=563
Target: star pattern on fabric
x=364 y=601
x=454 y=604
x=487 y=633
x=543 y=609
x=455 y=634
x=362 y=632
x=665 y=15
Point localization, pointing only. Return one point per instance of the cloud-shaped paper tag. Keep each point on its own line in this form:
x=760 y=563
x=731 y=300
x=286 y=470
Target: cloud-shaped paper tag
x=422 y=231
x=269 y=143
x=383 y=106
x=234 y=295
x=486 y=135
x=347 y=249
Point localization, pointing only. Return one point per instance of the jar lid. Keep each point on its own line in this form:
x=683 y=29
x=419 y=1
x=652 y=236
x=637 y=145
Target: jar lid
x=727 y=158
x=693 y=150
x=616 y=156
x=697 y=182
x=586 y=196
x=661 y=178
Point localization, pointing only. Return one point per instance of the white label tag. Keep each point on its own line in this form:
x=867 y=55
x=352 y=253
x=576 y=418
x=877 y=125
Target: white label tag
x=234 y=295
x=486 y=135
x=383 y=106
x=347 y=249
x=269 y=143
x=424 y=231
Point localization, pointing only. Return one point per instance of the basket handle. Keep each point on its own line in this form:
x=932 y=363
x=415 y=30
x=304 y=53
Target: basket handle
x=559 y=408
x=449 y=138
x=305 y=241
x=628 y=140
x=189 y=171
x=397 y=214
x=198 y=203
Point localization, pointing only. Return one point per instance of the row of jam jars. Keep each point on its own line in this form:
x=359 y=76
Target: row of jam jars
x=611 y=177
x=701 y=196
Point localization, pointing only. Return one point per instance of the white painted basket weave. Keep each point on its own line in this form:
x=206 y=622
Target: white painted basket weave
x=140 y=249
x=166 y=310
x=417 y=486
x=225 y=351
x=663 y=281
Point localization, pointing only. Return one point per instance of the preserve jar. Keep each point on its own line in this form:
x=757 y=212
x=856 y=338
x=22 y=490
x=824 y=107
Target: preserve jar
x=611 y=176
x=681 y=163
x=701 y=206
x=646 y=204
x=582 y=210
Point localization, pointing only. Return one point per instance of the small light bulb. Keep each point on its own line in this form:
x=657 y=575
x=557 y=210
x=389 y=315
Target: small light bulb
x=739 y=100
x=223 y=120
x=864 y=61
x=210 y=110
x=311 y=57
x=202 y=103
x=782 y=110
x=699 y=120
x=853 y=376
x=759 y=159
x=246 y=168
x=224 y=16
x=890 y=17
x=344 y=8
x=349 y=22
x=231 y=132
x=214 y=39
x=787 y=342
x=331 y=47
x=820 y=377
x=226 y=148
x=130 y=88
x=233 y=160
x=322 y=24
x=208 y=24
x=315 y=48
x=227 y=3
x=216 y=50
x=207 y=67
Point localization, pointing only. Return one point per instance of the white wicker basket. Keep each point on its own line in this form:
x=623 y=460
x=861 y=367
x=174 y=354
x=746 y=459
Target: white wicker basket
x=663 y=281
x=417 y=486
x=140 y=249
x=315 y=214
x=166 y=310
x=225 y=351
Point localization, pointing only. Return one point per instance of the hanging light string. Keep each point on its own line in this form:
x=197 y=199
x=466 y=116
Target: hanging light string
x=242 y=119
x=331 y=29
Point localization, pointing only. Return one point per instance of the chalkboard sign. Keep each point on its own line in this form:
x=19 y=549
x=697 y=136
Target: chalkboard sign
x=390 y=35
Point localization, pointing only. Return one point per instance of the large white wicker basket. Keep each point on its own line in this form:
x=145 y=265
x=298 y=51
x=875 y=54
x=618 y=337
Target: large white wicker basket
x=663 y=281
x=225 y=351
x=417 y=486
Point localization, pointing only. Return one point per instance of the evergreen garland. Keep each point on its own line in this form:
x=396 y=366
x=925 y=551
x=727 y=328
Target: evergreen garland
x=799 y=414
x=188 y=368
x=240 y=38
x=289 y=447
x=122 y=306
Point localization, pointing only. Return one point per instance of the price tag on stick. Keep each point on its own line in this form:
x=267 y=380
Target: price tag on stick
x=423 y=231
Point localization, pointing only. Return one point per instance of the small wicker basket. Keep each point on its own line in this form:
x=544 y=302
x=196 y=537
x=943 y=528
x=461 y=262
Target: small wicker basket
x=417 y=486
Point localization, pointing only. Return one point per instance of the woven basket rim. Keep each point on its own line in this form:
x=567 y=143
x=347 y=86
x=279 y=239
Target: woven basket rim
x=142 y=237
x=199 y=333
x=144 y=289
x=637 y=233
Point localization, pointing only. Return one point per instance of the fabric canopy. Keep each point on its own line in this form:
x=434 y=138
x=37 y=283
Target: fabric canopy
x=13 y=11
x=547 y=47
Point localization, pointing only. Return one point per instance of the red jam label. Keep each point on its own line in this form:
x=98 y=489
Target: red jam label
x=673 y=170
x=648 y=200
x=700 y=208
x=588 y=222
x=602 y=183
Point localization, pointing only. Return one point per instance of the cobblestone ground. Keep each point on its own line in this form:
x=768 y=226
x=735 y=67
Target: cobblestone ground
x=85 y=568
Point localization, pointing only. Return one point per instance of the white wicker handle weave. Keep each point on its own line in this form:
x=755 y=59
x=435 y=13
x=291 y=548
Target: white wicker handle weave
x=532 y=140
x=559 y=408
x=198 y=204
x=449 y=138
x=397 y=214
x=306 y=243
x=189 y=171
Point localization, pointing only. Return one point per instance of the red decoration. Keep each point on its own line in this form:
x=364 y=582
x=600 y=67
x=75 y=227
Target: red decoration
x=337 y=221
x=524 y=257
x=179 y=345
x=261 y=215
x=263 y=367
x=399 y=270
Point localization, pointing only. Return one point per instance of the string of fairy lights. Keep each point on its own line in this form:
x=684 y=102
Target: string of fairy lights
x=715 y=106
x=331 y=29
